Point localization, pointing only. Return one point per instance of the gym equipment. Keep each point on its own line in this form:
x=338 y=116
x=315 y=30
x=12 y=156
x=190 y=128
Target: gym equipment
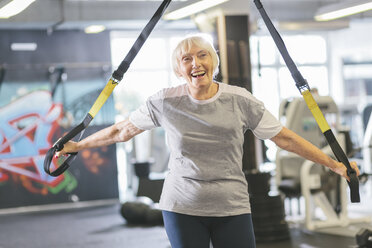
x=56 y=77
x=367 y=142
x=147 y=184
x=2 y=75
x=142 y=169
x=325 y=194
x=296 y=116
x=268 y=215
x=364 y=238
x=141 y=211
x=333 y=217
x=150 y=187
x=258 y=183
x=304 y=89
x=115 y=79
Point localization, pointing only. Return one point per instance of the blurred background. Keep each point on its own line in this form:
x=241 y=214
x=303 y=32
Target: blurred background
x=57 y=55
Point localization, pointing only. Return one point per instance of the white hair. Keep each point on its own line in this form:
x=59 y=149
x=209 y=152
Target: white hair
x=185 y=45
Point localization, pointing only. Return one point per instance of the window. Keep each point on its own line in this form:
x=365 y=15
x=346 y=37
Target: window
x=149 y=72
x=271 y=79
x=309 y=52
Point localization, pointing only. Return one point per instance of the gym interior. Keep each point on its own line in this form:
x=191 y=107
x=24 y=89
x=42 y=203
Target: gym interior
x=56 y=56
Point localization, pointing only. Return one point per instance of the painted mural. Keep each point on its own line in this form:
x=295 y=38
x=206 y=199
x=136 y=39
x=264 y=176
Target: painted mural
x=29 y=126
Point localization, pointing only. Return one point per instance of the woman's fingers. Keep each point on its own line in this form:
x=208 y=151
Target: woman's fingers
x=355 y=167
x=60 y=153
x=69 y=147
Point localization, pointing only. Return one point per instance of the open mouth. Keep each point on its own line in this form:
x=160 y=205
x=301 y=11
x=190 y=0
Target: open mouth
x=198 y=74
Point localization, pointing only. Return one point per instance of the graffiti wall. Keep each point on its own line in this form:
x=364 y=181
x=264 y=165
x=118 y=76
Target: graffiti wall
x=29 y=125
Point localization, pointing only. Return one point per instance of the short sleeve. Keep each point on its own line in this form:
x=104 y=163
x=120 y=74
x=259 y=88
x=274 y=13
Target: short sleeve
x=149 y=115
x=141 y=118
x=267 y=127
x=251 y=108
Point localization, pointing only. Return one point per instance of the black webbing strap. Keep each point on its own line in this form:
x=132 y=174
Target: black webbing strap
x=59 y=146
x=304 y=89
x=2 y=76
x=57 y=81
x=341 y=156
x=116 y=77
x=124 y=65
x=300 y=81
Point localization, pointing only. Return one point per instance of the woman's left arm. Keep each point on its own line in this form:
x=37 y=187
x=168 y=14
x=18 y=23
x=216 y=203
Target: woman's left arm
x=290 y=141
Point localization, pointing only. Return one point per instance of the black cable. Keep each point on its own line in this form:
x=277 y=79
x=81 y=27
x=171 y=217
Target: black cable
x=303 y=87
x=106 y=92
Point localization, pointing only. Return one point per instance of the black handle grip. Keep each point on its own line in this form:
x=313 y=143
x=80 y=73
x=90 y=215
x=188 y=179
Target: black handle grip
x=49 y=157
x=117 y=75
x=341 y=157
x=301 y=84
x=354 y=186
x=59 y=146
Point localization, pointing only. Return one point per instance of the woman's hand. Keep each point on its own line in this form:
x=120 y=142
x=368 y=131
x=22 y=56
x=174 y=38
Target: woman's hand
x=341 y=169
x=119 y=132
x=290 y=141
x=69 y=147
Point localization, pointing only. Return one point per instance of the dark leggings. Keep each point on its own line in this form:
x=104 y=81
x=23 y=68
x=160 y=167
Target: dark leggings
x=187 y=231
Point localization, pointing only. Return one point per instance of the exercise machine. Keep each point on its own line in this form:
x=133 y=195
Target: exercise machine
x=324 y=192
x=295 y=115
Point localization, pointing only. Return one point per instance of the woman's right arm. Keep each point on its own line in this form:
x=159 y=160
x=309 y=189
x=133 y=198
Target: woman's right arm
x=119 y=132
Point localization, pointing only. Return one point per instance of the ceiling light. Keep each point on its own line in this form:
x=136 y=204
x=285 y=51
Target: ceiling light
x=94 y=29
x=14 y=7
x=192 y=9
x=313 y=25
x=334 y=11
x=23 y=46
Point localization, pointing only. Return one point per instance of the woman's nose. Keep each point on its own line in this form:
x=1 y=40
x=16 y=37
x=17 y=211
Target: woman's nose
x=195 y=62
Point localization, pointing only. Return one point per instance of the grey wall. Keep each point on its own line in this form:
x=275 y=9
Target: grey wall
x=73 y=50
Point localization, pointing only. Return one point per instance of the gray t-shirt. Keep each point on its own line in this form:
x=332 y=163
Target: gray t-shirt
x=205 y=139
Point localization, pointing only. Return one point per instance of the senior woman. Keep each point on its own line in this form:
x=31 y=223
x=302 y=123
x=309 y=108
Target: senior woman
x=205 y=197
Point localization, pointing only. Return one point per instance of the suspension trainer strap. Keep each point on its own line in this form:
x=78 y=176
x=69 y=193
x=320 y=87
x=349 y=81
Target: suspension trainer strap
x=304 y=89
x=115 y=79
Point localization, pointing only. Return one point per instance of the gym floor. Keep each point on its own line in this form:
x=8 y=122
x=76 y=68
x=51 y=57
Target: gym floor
x=102 y=227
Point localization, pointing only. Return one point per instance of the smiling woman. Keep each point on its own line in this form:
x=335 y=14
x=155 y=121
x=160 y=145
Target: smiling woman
x=184 y=47
x=196 y=61
x=205 y=197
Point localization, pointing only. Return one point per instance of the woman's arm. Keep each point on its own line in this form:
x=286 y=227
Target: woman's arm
x=290 y=141
x=119 y=132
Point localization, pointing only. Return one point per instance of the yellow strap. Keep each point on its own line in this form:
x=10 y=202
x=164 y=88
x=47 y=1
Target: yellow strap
x=106 y=92
x=315 y=110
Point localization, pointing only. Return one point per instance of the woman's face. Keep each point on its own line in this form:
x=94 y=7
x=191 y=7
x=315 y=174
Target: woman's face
x=196 y=67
